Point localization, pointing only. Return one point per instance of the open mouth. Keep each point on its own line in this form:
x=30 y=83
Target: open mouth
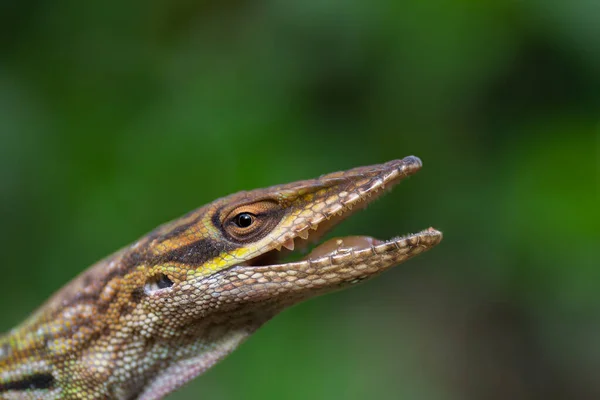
x=352 y=190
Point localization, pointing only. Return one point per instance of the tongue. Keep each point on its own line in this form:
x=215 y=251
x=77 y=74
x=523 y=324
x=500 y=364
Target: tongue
x=343 y=244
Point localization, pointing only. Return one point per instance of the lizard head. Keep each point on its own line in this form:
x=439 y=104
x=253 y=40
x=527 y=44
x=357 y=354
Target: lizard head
x=231 y=253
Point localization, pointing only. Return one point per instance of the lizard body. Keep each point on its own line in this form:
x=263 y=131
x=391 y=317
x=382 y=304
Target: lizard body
x=154 y=315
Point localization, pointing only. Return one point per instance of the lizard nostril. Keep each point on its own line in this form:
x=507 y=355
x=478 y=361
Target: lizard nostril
x=158 y=282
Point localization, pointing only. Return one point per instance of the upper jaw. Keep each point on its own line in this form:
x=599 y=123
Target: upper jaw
x=336 y=196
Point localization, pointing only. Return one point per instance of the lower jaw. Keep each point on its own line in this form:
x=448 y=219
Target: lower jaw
x=363 y=247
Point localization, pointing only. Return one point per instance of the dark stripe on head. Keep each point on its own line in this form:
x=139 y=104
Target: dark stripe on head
x=31 y=382
x=194 y=254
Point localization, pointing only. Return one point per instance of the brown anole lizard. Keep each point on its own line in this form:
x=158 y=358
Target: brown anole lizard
x=154 y=315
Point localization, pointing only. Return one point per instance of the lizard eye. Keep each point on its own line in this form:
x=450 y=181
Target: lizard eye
x=244 y=220
x=251 y=221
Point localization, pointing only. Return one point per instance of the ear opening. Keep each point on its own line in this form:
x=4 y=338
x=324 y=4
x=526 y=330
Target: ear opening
x=158 y=282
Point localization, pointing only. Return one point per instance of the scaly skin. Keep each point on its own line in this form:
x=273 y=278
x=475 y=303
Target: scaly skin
x=152 y=316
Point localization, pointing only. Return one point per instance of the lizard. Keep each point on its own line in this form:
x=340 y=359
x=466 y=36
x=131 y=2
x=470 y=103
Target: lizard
x=154 y=315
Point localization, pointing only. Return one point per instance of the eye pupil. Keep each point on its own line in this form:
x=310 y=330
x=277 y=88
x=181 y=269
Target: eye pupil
x=244 y=220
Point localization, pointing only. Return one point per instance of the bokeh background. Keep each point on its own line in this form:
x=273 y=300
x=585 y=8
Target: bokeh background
x=116 y=116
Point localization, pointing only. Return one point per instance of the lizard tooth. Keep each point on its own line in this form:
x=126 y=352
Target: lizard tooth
x=303 y=234
x=314 y=227
x=278 y=248
x=289 y=244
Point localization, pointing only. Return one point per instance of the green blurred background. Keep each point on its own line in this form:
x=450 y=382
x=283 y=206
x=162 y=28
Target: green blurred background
x=116 y=116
